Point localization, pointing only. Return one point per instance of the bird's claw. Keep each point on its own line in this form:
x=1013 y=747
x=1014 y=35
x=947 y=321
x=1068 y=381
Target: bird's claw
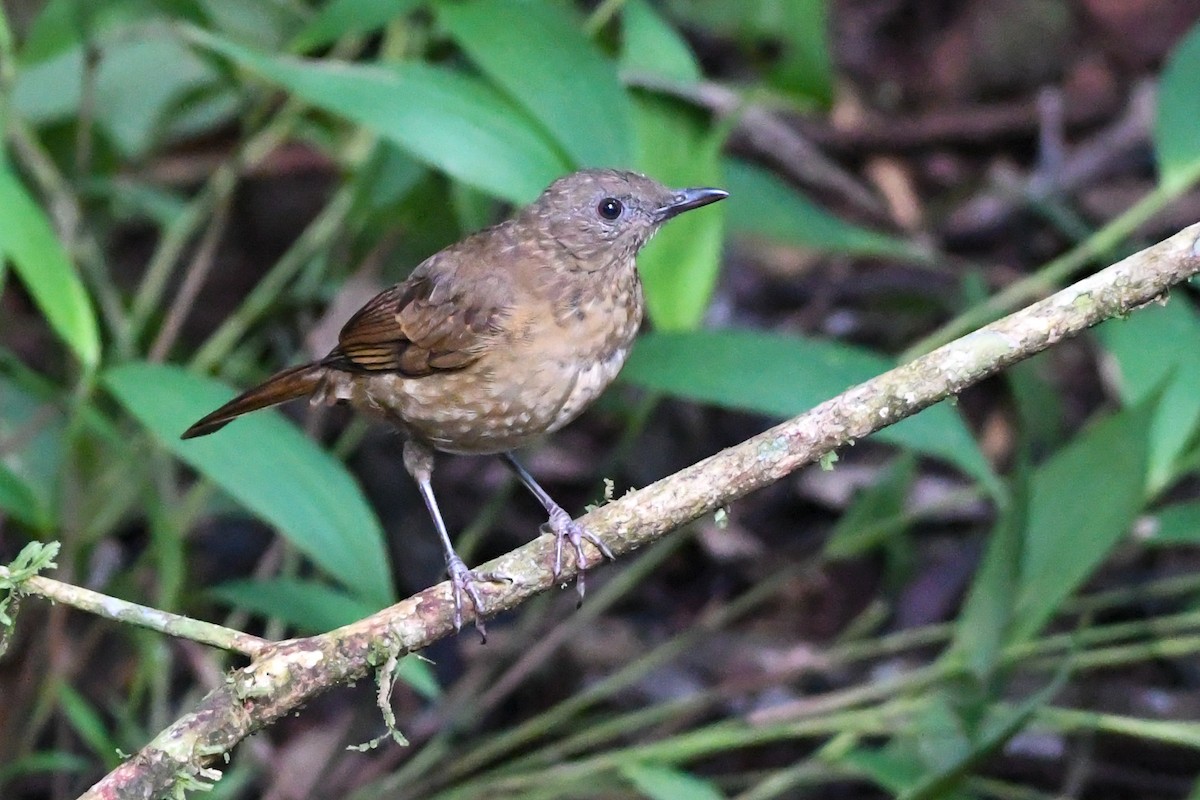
x=565 y=528
x=462 y=581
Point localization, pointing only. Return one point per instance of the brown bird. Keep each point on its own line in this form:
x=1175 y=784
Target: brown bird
x=496 y=340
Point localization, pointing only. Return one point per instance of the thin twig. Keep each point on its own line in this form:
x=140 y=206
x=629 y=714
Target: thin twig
x=194 y=277
x=118 y=610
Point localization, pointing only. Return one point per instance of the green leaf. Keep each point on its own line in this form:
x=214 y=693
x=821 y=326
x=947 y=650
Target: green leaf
x=63 y=24
x=450 y=121
x=1177 y=524
x=938 y=735
x=679 y=267
x=1083 y=502
x=660 y=782
x=1157 y=350
x=784 y=375
x=134 y=120
x=1176 y=139
x=19 y=500
x=986 y=617
x=39 y=260
x=417 y=673
x=762 y=205
x=649 y=45
x=338 y=18
x=267 y=25
x=270 y=467
x=795 y=32
x=805 y=68
x=877 y=514
x=308 y=606
x=31 y=455
x=34 y=558
x=542 y=59
x=1039 y=406
x=891 y=770
x=1000 y=726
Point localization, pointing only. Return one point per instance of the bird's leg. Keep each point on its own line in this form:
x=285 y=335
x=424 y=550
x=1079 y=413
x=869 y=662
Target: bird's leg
x=418 y=460
x=561 y=525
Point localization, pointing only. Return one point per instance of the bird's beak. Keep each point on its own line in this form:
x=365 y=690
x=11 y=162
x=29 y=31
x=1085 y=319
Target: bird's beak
x=687 y=199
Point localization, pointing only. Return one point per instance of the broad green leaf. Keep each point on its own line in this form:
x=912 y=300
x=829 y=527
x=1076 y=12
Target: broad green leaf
x=388 y=176
x=1157 y=350
x=784 y=375
x=308 y=606
x=267 y=25
x=417 y=673
x=542 y=59
x=1177 y=524
x=649 y=45
x=28 y=243
x=659 y=782
x=762 y=205
x=18 y=500
x=1002 y=724
x=938 y=734
x=1084 y=500
x=1176 y=139
x=877 y=514
x=446 y=119
x=892 y=771
x=270 y=467
x=134 y=120
x=31 y=455
x=64 y=24
x=986 y=617
x=795 y=32
x=679 y=267
x=338 y=18
x=1042 y=419
x=804 y=68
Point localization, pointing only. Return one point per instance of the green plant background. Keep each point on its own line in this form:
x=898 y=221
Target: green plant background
x=434 y=117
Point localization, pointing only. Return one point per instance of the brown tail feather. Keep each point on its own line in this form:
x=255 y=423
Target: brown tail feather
x=279 y=388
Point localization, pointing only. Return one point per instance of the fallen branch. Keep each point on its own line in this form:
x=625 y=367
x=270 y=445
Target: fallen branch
x=285 y=675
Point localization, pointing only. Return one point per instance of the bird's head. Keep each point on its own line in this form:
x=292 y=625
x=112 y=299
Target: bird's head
x=603 y=215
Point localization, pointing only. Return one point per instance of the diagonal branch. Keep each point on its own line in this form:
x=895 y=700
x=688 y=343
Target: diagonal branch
x=285 y=675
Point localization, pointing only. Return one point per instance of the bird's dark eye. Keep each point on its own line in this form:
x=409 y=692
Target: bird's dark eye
x=610 y=208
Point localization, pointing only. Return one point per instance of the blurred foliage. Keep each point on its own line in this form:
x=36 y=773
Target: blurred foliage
x=435 y=117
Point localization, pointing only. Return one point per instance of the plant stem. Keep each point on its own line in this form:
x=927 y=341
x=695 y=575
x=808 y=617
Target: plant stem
x=144 y=617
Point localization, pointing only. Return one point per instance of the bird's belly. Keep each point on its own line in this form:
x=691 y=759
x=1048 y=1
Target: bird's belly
x=589 y=383
x=480 y=411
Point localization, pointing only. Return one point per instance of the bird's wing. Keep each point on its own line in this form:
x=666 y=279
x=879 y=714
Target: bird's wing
x=432 y=322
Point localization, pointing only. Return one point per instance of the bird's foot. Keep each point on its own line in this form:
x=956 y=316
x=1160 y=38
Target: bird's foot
x=565 y=528
x=462 y=581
